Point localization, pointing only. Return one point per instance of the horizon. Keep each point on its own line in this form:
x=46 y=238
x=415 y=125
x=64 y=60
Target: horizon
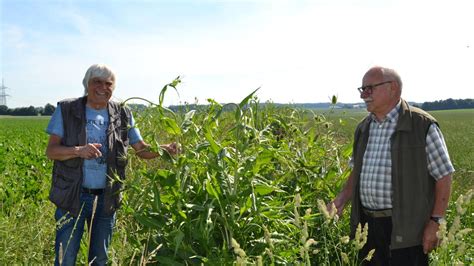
x=296 y=51
x=143 y=103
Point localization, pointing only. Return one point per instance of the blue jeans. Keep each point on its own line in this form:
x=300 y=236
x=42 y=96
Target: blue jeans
x=69 y=232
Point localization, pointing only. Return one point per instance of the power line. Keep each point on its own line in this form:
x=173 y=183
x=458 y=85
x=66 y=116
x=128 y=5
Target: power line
x=3 y=94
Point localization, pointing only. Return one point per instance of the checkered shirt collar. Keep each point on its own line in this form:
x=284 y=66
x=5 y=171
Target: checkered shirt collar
x=392 y=116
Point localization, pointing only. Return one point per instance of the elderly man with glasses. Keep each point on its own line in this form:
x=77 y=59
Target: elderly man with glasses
x=400 y=181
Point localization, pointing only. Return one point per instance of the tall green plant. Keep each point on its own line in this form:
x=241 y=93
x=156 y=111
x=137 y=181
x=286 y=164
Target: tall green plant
x=236 y=178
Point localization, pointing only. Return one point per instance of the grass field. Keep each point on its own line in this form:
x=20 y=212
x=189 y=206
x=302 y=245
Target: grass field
x=26 y=215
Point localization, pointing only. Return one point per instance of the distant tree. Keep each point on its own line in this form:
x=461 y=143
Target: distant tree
x=39 y=110
x=31 y=110
x=23 y=111
x=48 y=109
x=4 y=110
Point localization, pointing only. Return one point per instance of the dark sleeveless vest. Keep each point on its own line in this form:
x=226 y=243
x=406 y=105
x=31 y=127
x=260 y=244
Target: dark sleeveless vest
x=413 y=186
x=68 y=175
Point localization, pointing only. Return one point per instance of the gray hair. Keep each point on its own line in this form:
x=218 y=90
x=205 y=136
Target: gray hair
x=391 y=74
x=97 y=71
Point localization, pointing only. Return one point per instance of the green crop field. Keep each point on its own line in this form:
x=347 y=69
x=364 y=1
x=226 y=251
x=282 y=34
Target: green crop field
x=247 y=189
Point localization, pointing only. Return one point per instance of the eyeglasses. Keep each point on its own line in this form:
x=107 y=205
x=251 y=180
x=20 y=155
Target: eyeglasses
x=369 y=88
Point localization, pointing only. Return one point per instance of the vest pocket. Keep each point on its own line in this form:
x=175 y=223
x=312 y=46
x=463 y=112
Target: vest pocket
x=66 y=184
x=62 y=182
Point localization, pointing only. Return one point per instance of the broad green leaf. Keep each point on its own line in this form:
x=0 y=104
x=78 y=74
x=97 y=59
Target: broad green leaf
x=156 y=201
x=210 y=189
x=183 y=214
x=248 y=205
x=189 y=115
x=347 y=151
x=246 y=99
x=264 y=189
x=187 y=122
x=147 y=221
x=263 y=158
x=214 y=146
x=170 y=126
x=168 y=180
x=178 y=239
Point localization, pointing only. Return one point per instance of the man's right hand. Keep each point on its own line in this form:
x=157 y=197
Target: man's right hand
x=344 y=196
x=56 y=151
x=338 y=204
x=90 y=151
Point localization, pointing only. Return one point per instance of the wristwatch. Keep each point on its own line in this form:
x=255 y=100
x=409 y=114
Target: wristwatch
x=437 y=219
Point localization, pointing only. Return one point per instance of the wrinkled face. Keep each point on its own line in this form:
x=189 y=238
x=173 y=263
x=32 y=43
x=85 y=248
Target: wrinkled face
x=99 y=92
x=378 y=93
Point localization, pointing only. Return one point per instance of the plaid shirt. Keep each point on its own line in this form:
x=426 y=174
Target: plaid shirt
x=376 y=174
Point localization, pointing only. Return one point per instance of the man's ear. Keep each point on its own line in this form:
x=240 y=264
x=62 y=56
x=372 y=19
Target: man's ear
x=394 y=88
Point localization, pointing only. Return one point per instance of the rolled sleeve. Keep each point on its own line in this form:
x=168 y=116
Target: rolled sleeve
x=55 y=125
x=133 y=132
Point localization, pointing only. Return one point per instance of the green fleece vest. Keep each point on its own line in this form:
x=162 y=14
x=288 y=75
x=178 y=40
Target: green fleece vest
x=68 y=176
x=412 y=185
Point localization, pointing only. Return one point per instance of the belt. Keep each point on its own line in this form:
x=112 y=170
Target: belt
x=93 y=191
x=377 y=213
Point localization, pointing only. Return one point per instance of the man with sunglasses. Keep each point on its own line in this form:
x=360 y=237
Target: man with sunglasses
x=401 y=175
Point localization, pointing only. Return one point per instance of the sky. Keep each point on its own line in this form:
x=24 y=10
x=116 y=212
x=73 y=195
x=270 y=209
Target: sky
x=295 y=51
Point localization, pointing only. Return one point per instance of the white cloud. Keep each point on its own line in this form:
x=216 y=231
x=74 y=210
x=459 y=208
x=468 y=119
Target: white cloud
x=13 y=38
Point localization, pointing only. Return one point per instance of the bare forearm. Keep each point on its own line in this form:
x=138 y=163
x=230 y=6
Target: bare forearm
x=147 y=154
x=344 y=196
x=442 y=194
x=57 y=151
x=346 y=192
x=61 y=153
x=143 y=150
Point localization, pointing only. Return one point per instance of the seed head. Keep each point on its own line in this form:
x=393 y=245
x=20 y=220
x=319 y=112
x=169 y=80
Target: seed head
x=344 y=239
x=345 y=258
x=369 y=256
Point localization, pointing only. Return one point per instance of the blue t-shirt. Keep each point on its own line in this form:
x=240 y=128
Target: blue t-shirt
x=95 y=170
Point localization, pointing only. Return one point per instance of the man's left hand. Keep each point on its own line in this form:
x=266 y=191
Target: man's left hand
x=430 y=240
x=173 y=148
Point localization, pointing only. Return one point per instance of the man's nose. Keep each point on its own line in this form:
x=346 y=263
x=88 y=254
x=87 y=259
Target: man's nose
x=364 y=94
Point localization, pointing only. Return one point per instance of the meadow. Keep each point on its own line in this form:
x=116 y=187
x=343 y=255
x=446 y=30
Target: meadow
x=247 y=189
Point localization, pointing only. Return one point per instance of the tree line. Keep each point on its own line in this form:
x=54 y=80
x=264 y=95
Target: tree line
x=48 y=109
x=448 y=104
